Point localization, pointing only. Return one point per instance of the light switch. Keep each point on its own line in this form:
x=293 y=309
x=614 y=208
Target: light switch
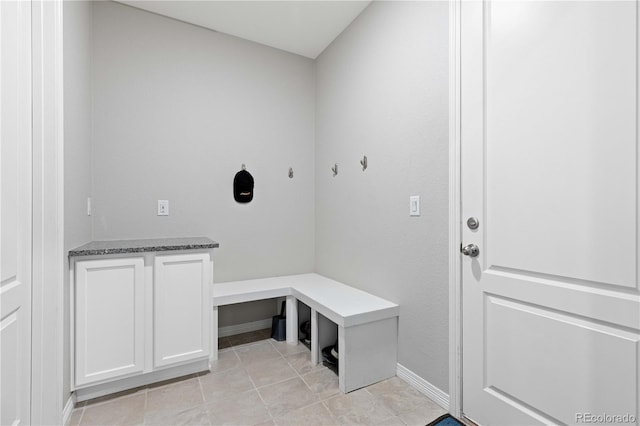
x=88 y=206
x=163 y=207
x=414 y=205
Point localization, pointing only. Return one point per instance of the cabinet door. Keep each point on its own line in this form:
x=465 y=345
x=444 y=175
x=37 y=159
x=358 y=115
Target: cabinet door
x=109 y=302
x=181 y=308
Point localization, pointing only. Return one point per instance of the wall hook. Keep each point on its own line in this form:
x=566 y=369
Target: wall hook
x=290 y=173
x=244 y=167
x=363 y=163
x=334 y=169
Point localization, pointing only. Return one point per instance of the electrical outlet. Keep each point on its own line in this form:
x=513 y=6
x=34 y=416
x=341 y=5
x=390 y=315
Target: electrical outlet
x=163 y=207
x=414 y=205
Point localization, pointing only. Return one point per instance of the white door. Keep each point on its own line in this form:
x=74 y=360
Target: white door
x=15 y=212
x=109 y=320
x=182 y=308
x=550 y=169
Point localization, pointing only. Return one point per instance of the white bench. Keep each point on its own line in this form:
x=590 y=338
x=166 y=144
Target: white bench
x=367 y=326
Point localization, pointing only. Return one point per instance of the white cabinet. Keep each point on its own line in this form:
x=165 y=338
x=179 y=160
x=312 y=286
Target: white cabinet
x=181 y=308
x=110 y=326
x=139 y=319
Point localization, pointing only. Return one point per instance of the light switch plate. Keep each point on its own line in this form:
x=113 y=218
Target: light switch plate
x=88 y=206
x=163 y=207
x=414 y=205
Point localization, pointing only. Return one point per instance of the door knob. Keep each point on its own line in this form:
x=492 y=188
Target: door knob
x=471 y=250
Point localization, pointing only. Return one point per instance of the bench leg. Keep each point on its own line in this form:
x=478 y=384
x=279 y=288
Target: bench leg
x=368 y=353
x=341 y=360
x=213 y=356
x=315 y=347
x=292 y=320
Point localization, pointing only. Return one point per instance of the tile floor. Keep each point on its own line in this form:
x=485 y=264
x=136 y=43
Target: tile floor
x=259 y=381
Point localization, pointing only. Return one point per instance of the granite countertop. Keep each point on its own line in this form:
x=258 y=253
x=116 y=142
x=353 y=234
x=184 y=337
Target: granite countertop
x=96 y=248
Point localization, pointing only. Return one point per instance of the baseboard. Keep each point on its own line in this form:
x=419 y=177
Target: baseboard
x=68 y=409
x=421 y=385
x=137 y=380
x=246 y=327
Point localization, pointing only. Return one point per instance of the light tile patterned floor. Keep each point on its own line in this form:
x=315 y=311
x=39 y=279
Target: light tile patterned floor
x=258 y=381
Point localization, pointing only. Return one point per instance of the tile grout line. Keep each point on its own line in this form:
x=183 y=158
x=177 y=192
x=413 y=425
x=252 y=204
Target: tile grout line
x=309 y=387
x=298 y=375
x=255 y=388
x=398 y=414
x=301 y=376
x=320 y=400
x=204 y=400
x=204 y=405
x=146 y=398
x=272 y=384
x=333 y=416
x=81 y=415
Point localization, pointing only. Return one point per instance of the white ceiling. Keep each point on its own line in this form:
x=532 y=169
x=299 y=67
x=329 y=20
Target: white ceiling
x=302 y=27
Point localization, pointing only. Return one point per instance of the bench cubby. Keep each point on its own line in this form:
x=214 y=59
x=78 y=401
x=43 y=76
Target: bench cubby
x=304 y=314
x=327 y=336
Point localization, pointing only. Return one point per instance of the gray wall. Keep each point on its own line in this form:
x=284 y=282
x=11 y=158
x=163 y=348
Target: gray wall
x=382 y=92
x=77 y=46
x=177 y=110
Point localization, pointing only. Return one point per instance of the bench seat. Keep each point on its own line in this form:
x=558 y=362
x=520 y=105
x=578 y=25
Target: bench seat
x=367 y=324
x=345 y=305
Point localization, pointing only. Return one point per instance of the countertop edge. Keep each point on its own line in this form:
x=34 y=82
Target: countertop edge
x=141 y=248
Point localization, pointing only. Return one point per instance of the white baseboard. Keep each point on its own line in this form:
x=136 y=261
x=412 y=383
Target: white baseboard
x=421 y=385
x=68 y=409
x=137 y=380
x=231 y=330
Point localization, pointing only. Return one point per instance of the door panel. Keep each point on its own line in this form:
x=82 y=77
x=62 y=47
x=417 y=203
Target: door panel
x=181 y=308
x=570 y=353
x=561 y=133
x=15 y=212
x=109 y=319
x=551 y=306
x=10 y=334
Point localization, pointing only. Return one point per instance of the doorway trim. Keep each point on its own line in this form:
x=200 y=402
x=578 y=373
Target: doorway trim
x=455 y=264
x=48 y=212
